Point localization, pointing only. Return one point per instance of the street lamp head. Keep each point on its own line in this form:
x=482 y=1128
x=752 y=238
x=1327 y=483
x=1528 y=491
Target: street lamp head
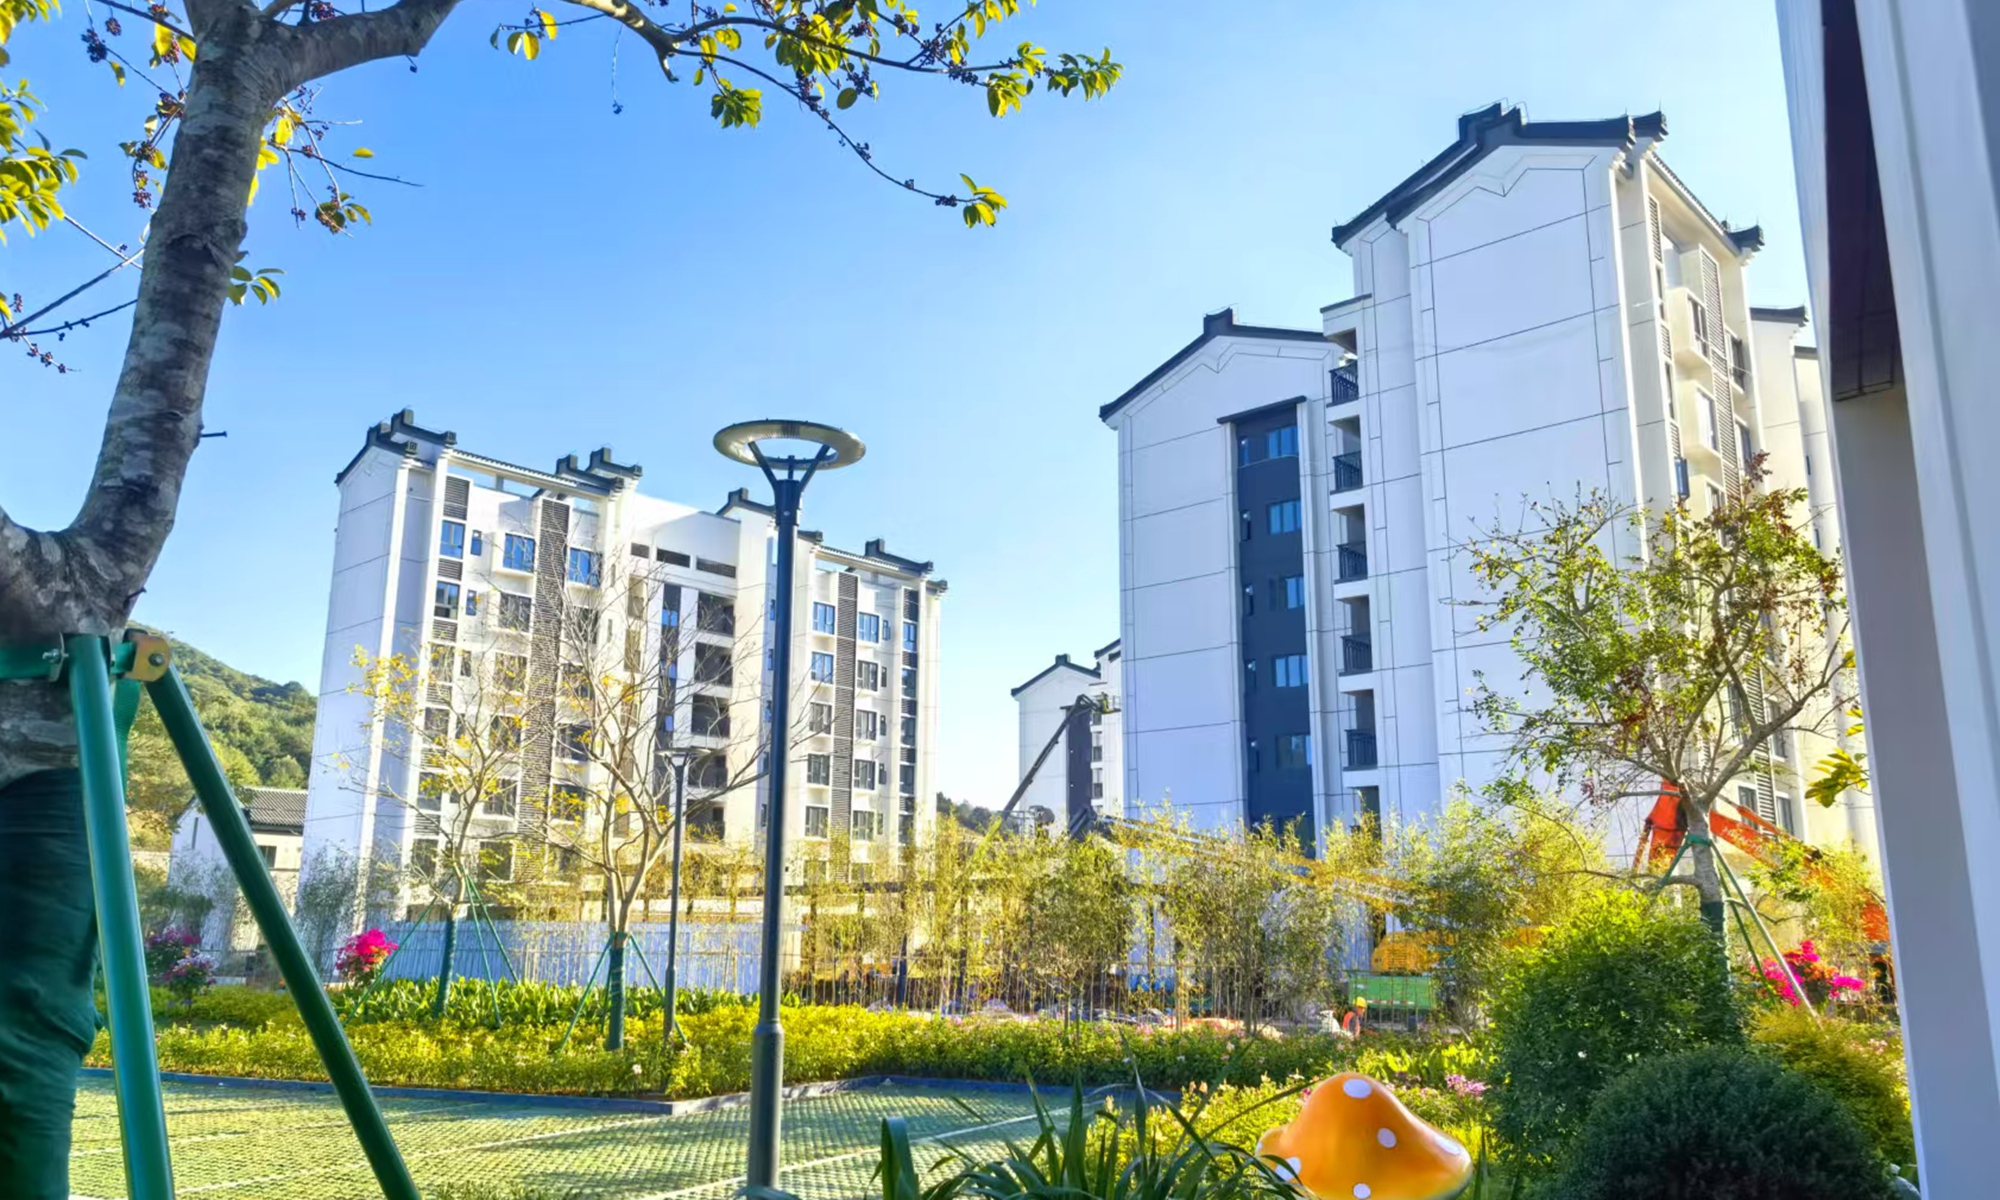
x=825 y=446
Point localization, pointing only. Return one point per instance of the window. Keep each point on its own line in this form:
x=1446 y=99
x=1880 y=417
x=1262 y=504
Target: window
x=1714 y=498
x=864 y=825
x=907 y=781
x=424 y=857
x=819 y=718
x=501 y=798
x=868 y=676
x=510 y=671
x=566 y=803
x=868 y=627
x=909 y=683
x=1294 y=591
x=1700 y=324
x=672 y=558
x=573 y=681
x=471 y=603
x=465 y=664
x=516 y=612
x=1282 y=443
x=1739 y=361
x=1681 y=484
x=445 y=603
x=496 y=862
x=1786 y=817
x=518 y=553
x=573 y=742
x=1746 y=450
x=478 y=543
x=819 y=769
x=910 y=636
x=1250 y=755
x=1294 y=751
x=909 y=730
x=1704 y=408
x=867 y=725
x=710 y=716
x=1284 y=516
x=1808 y=466
x=1249 y=675
x=1746 y=799
x=1243 y=519
x=451 y=539
x=864 y=775
x=441 y=657
x=713 y=665
x=1249 y=599
x=1288 y=671
x=822 y=666
x=586 y=567
x=816 y=820
x=431 y=789
x=711 y=771
x=1246 y=451
x=670 y=606
x=823 y=617
x=715 y=568
x=714 y=614
x=504 y=733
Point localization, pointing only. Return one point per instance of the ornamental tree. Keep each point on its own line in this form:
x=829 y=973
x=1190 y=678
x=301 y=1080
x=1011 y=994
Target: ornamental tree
x=1661 y=654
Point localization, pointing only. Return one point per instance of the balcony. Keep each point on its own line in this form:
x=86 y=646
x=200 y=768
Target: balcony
x=1360 y=749
x=1357 y=654
x=1347 y=471
x=1353 y=561
x=1344 y=386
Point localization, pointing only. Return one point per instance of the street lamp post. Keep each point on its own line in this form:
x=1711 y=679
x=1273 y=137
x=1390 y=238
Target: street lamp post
x=674 y=900
x=788 y=475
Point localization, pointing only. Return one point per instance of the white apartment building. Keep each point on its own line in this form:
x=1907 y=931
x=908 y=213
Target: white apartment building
x=448 y=556
x=1543 y=308
x=1085 y=771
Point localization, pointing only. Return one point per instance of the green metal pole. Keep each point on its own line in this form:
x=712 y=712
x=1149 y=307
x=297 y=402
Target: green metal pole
x=232 y=833
x=583 y=998
x=142 y=1118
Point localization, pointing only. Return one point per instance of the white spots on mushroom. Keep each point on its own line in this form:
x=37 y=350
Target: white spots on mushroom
x=1361 y=1191
x=1446 y=1144
x=1293 y=1163
x=1358 y=1088
x=1387 y=1137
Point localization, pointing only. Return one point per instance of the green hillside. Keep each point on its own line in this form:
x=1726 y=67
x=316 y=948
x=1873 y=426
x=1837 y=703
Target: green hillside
x=262 y=731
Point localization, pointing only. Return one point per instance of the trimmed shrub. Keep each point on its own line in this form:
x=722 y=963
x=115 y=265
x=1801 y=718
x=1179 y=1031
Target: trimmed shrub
x=1858 y=1066
x=1721 y=1124
x=1616 y=984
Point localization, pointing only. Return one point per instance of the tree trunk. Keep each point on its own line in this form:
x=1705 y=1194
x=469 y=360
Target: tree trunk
x=614 y=992
x=1707 y=877
x=442 y=996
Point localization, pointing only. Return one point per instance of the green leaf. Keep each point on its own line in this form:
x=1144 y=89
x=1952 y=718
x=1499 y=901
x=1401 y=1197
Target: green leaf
x=846 y=98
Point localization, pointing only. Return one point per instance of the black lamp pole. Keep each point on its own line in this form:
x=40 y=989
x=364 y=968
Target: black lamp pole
x=788 y=476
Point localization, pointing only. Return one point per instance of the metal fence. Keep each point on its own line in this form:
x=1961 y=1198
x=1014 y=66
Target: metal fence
x=721 y=957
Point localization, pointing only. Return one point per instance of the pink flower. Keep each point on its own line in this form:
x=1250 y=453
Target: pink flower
x=1471 y=1088
x=1848 y=982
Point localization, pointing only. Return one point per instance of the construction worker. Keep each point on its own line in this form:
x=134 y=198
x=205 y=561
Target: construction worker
x=1356 y=1017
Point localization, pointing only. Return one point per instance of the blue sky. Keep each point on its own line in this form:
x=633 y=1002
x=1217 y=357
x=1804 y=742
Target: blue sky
x=567 y=278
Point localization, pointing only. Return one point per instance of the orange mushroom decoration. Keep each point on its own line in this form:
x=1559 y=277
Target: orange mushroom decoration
x=1354 y=1140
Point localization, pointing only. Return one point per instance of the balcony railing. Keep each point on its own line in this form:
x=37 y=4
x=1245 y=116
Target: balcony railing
x=1345 y=388
x=1360 y=749
x=1347 y=471
x=1353 y=560
x=1357 y=655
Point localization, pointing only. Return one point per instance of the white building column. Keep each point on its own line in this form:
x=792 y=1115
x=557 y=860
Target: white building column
x=1912 y=367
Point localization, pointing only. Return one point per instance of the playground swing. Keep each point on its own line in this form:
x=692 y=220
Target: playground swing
x=104 y=681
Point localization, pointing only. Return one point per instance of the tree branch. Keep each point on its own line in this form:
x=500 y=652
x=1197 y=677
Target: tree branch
x=326 y=47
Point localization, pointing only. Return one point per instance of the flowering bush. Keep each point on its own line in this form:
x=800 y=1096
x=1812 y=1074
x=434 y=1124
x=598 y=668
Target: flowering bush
x=167 y=947
x=1819 y=981
x=190 y=977
x=362 y=955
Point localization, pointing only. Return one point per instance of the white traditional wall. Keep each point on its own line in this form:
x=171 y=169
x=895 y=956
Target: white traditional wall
x=1181 y=662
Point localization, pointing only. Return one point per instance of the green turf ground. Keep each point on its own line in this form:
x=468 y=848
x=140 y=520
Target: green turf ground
x=251 y=1144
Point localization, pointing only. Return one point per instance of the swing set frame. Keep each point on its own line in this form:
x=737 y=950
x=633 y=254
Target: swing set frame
x=104 y=680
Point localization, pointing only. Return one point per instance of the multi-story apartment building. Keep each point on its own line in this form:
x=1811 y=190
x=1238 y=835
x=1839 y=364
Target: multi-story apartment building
x=1542 y=308
x=1086 y=769
x=446 y=556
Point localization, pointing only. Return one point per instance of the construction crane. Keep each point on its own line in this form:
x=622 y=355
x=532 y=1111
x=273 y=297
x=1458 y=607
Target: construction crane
x=1081 y=816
